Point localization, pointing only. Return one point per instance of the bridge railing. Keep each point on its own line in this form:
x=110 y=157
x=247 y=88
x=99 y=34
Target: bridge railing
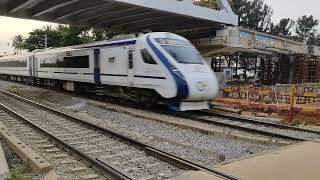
x=216 y=41
x=244 y=38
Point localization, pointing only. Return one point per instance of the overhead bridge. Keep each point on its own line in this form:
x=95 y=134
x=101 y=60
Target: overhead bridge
x=123 y=15
x=230 y=40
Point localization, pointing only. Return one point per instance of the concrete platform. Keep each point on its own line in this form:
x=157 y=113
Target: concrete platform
x=4 y=168
x=197 y=175
x=294 y=162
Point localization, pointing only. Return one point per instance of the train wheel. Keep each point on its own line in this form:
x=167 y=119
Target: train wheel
x=150 y=101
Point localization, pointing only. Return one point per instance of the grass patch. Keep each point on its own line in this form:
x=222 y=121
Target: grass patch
x=19 y=173
x=15 y=90
x=297 y=123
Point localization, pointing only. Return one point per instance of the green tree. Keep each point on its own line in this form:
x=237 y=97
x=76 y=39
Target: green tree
x=284 y=28
x=63 y=35
x=239 y=7
x=18 y=43
x=253 y=14
x=306 y=28
x=72 y=35
x=207 y=3
x=36 y=38
x=99 y=34
x=314 y=40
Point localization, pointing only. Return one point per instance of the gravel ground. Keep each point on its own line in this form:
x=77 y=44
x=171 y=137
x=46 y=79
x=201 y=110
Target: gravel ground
x=293 y=133
x=29 y=136
x=229 y=148
x=143 y=129
x=115 y=151
x=17 y=167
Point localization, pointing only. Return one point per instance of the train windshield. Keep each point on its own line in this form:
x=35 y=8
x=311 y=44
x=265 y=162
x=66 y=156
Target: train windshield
x=182 y=51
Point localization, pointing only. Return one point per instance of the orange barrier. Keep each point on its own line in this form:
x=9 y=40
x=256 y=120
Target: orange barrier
x=304 y=93
x=236 y=103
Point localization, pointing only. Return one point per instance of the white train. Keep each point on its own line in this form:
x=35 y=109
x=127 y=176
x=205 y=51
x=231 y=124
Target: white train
x=151 y=68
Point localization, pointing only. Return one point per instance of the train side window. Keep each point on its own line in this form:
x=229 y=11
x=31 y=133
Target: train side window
x=66 y=62
x=130 y=58
x=147 y=57
x=16 y=63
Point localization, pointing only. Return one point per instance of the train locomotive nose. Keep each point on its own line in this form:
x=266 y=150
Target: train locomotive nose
x=202 y=86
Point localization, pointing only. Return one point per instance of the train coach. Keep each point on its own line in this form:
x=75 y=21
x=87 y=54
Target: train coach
x=148 y=69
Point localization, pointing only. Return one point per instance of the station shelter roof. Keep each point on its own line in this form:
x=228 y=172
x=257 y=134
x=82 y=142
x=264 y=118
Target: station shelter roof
x=123 y=15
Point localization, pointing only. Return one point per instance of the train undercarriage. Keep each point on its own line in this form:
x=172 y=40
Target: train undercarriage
x=145 y=97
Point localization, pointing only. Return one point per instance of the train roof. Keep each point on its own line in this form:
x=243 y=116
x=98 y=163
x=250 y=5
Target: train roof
x=58 y=50
x=117 y=40
x=15 y=56
x=120 y=40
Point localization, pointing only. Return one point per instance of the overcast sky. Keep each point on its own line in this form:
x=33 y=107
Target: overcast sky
x=294 y=8
x=10 y=27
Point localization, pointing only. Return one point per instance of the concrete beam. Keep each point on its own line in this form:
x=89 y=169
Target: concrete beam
x=119 y=13
x=49 y=7
x=3 y=2
x=125 y=18
x=77 y=9
x=160 y=25
x=187 y=8
x=93 y=14
x=4 y=168
x=29 y=156
x=142 y=21
x=174 y=23
x=26 y=5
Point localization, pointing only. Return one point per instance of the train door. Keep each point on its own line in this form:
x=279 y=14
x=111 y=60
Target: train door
x=35 y=66
x=30 y=66
x=97 y=70
x=131 y=66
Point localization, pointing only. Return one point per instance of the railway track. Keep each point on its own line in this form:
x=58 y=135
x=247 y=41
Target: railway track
x=67 y=165
x=117 y=156
x=252 y=125
x=249 y=125
x=263 y=128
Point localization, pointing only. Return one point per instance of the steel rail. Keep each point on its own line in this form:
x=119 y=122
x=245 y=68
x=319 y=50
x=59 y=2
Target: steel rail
x=241 y=128
x=265 y=123
x=249 y=120
x=165 y=156
x=108 y=170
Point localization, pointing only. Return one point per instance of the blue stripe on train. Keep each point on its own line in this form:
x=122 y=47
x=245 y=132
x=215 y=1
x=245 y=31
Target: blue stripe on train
x=182 y=86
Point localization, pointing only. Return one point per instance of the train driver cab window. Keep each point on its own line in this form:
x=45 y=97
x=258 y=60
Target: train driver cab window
x=147 y=57
x=182 y=51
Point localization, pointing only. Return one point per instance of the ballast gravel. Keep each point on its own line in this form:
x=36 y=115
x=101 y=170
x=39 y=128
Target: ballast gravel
x=144 y=130
x=17 y=166
x=229 y=148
